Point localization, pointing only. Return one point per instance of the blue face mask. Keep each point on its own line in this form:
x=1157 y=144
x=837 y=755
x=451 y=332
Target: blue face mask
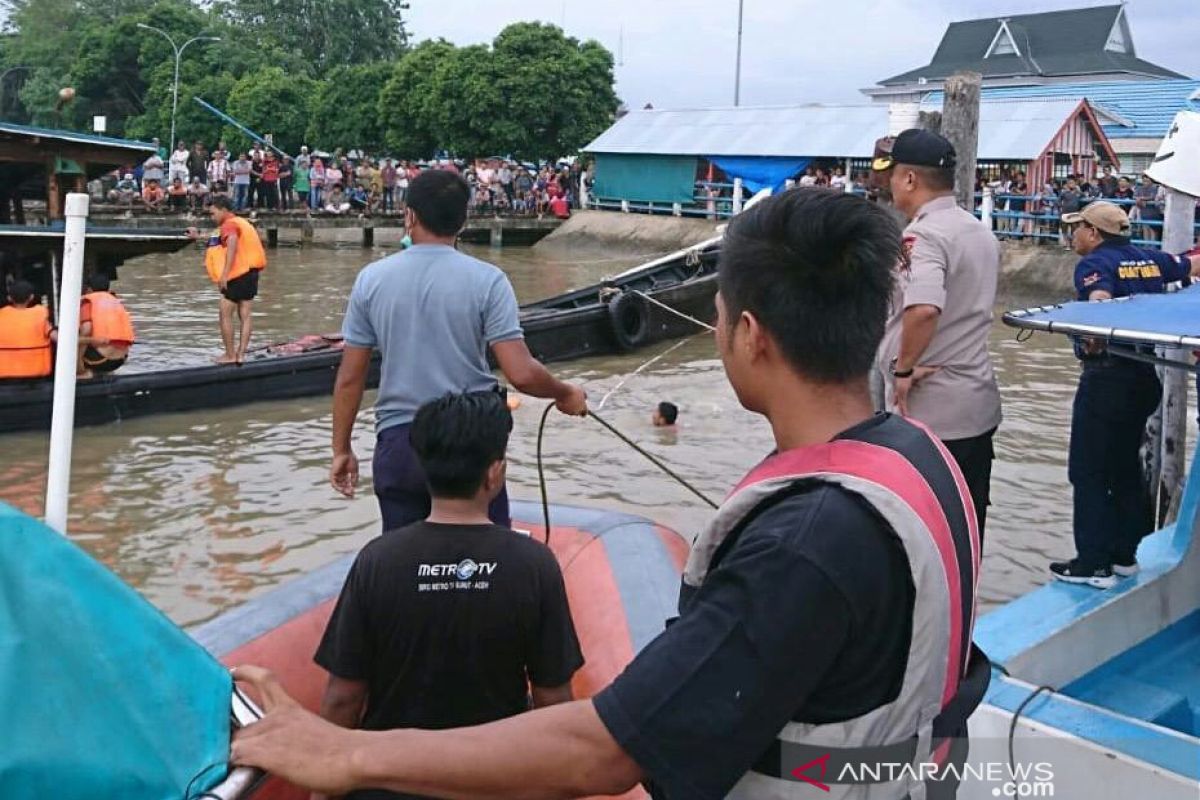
x=406 y=242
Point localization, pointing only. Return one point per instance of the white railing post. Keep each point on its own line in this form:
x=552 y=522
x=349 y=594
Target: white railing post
x=62 y=423
x=987 y=206
x=737 y=195
x=625 y=206
x=677 y=209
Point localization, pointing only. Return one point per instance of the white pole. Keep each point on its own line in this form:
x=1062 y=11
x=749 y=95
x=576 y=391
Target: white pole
x=737 y=195
x=987 y=206
x=62 y=425
x=737 y=69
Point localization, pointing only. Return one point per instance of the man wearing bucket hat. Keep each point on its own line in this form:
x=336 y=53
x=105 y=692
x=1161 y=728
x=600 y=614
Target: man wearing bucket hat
x=1115 y=398
x=934 y=357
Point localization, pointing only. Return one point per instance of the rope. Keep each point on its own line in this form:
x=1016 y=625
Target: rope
x=660 y=356
x=1012 y=728
x=682 y=482
x=677 y=313
x=542 y=472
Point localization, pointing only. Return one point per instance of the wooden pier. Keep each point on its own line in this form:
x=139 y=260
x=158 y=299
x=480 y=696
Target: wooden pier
x=493 y=230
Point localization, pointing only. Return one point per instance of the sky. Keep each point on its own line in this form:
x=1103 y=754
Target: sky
x=681 y=53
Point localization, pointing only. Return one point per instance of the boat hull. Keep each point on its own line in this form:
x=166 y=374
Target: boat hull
x=621 y=592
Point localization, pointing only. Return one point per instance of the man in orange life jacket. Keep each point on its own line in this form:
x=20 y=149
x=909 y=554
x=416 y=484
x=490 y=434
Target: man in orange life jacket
x=826 y=612
x=105 y=329
x=233 y=263
x=26 y=333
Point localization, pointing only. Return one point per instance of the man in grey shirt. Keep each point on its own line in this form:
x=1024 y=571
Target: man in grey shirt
x=433 y=313
x=934 y=354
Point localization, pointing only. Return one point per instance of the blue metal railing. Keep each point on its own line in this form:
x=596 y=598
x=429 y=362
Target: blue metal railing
x=1040 y=220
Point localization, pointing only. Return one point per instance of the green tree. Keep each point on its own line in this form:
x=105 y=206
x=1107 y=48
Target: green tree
x=271 y=101
x=556 y=93
x=466 y=111
x=325 y=33
x=345 y=107
x=406 y=104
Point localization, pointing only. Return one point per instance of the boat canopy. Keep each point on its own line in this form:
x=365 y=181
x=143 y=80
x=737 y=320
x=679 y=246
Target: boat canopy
x=100 y=694
x=1171 y=319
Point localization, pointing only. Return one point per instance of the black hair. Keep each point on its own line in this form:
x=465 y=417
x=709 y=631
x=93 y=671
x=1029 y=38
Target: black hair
x=939 y=179
x=457 y=437
x=221 y=201
x=1113 y=238
x=669 y=412
x=439 y=199
x=19 y=291
x=98 y=282
x=816 y=268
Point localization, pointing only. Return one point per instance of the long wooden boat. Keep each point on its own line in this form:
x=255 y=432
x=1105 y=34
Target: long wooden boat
x=612 y=316
x=621 y=593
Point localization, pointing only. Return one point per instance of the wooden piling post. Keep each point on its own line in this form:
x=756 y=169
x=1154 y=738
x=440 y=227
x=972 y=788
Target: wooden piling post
x=1177 y=238
x=306 y=233
x=368 y=239
x=496 y=232
x=272 y=237
x=960 y=124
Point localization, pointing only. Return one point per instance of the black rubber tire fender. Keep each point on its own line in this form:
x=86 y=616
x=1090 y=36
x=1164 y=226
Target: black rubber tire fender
x=629 y=316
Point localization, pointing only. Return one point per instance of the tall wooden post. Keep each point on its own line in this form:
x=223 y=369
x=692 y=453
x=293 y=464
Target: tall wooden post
x=1177 y=238
x=960 y=124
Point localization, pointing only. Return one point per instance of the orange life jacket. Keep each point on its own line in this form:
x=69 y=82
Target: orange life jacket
x=110 y=320
x=250 y=253
x=25 y=342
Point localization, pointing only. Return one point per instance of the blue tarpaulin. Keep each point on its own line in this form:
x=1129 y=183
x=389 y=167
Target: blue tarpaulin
x=1171 y=319
x=758 y=172
x=101 y=696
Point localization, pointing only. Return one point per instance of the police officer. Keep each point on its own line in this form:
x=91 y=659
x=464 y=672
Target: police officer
x=1114 y=399
x=934 y=356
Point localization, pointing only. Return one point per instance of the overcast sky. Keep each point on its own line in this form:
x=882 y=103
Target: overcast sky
x=681 y=53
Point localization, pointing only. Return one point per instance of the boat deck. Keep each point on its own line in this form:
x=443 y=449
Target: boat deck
x=1157 y=681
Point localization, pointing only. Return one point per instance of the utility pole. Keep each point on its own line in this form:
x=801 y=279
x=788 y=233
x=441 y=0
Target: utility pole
x=960 y=124
x=737 y=70
x=175 y=85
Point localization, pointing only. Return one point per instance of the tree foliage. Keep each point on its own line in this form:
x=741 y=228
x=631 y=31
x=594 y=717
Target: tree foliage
x=325 y=33
x=345 y=108
x=334 y=73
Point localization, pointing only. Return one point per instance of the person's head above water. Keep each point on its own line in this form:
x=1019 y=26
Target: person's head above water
x=437 y=206
x=804 y=284
x=665 y=414
x=460 y=440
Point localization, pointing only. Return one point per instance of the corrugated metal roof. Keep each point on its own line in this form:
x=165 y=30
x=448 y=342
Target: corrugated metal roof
x=1149 y=105
x=812 y=131
x=75 y=136
x=1008 y=130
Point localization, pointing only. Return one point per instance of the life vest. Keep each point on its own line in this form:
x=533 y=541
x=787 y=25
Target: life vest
x=945 y=675
x=110 y=320
x=25 y=342
x=250 y=254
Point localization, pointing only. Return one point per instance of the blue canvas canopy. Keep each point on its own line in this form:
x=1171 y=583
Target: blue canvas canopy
x=101 y=696
x=1160 y=319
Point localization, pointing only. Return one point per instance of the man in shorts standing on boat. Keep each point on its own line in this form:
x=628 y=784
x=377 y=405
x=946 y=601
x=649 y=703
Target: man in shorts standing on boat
x=934 y=357
x=1112 y=511
x=453 y=620
x=234 y=262
x=830 y=600
x=433 y=313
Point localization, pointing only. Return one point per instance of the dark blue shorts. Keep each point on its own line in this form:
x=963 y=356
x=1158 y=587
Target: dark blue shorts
x=400 y=483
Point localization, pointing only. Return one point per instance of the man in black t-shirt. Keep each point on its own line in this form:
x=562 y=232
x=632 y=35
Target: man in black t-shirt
x=452 y=621
x=829 y=602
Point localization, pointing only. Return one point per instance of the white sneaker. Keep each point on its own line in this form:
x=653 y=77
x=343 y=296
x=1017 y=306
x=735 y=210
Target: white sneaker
x=1126 y=570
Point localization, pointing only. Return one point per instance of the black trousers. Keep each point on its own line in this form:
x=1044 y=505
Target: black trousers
x=1112 y=511
x=974 y=457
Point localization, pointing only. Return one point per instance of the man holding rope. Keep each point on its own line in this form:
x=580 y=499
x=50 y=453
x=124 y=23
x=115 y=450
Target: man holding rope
x=829 y=602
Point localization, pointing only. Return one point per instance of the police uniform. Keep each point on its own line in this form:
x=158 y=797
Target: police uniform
x=1115 y=397
x=953 y=265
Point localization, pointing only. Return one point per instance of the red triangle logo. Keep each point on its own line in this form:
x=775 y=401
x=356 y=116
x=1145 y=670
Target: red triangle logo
x=823 y=763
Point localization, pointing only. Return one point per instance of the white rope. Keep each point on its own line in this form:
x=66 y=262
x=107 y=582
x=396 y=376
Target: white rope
x=677 y=313
x=625 y=380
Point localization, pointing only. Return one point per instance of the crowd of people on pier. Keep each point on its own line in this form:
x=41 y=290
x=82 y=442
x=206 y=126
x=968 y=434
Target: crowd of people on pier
x=263 y=178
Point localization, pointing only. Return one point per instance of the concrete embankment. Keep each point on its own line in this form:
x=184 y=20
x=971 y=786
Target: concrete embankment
x=632 y=233
x=1025 y=268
